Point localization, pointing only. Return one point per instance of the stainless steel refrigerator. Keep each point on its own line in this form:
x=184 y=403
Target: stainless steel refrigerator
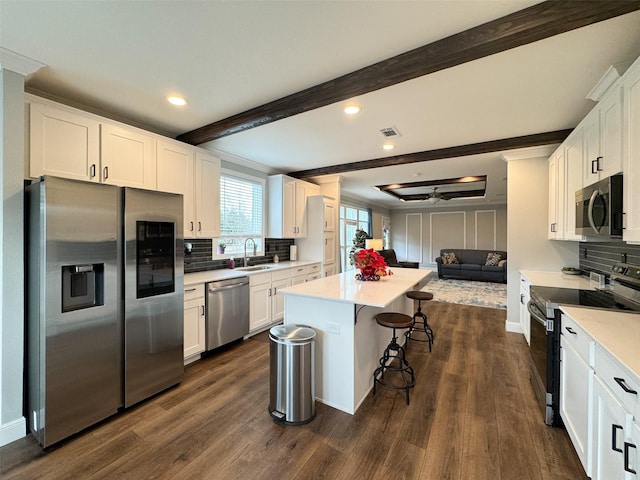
x=105 y=301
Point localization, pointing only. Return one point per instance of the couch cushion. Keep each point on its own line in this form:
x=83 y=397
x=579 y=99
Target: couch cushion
x=492 y=268
x=470 y=266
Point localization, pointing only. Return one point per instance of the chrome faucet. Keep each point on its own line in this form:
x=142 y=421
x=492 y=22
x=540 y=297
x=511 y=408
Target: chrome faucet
x=246 y=258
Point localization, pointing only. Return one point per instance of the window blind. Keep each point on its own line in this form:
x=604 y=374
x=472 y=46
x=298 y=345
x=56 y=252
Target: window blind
x=241 y=206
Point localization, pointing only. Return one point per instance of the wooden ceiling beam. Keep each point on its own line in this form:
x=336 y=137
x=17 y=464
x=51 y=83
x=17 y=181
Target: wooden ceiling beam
x=501 y=145
x=526 y=26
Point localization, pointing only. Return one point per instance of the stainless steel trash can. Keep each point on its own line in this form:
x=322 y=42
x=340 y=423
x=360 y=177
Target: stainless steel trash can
x=292 y=375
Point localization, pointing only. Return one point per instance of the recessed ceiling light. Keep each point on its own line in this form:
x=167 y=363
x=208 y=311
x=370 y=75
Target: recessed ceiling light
x=352 y=109
x=388 y=146
x=175 y=100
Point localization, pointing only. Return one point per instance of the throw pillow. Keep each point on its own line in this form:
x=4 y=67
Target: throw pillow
x=449 y=258
x=493 y=259
x=501 y=263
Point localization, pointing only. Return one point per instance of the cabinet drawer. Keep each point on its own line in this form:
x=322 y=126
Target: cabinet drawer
x=259 y=279
x=622 y=383
x=576 y=336
x=193 y=292
x=280 y=274
x=297 y=271
x=314 y=268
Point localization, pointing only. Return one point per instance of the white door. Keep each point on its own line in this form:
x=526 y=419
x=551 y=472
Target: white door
x=175 y=174
x=207 y=196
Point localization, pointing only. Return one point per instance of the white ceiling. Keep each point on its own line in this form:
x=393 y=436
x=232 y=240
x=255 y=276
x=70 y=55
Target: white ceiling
x=122 y=58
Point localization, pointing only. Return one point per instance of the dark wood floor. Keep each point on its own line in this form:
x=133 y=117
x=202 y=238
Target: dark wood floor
x=472 y=416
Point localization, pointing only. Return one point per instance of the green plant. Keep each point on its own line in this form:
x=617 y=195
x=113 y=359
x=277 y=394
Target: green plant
x=222 y=243
x=358 y=243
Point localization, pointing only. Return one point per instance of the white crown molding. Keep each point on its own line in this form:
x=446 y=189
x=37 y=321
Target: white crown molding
x=530 y=152
x=611 y=76
x=327 y=179
x=230 y=157
x=17 y=63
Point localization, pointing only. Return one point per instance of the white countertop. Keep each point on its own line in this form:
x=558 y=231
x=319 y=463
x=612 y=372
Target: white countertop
x=616 y=331
x=224 y=273
x=558 y=279
x=345 y=288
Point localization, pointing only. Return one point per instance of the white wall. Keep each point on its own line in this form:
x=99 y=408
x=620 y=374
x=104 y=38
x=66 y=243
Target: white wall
x=12 y=423
x=527 y=219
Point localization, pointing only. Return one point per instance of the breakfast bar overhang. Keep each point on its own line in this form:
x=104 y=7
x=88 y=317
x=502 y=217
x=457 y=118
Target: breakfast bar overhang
x=349 y=342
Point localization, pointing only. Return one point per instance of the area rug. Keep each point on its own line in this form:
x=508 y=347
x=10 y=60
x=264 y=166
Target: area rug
x=467 y=292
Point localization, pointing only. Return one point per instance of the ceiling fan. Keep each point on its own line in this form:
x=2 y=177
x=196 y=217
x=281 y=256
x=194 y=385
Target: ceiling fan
x=435 y=196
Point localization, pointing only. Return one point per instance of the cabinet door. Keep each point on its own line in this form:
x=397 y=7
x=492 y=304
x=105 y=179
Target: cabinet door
x=329 y=216
x=329 y=269
x=552 y=232
x=289 y=226
x=576 y=385
x=631 y=154
x=260 y=306
x=175 y=174
x=127 y=157
x=609 y=436
x=277 y=299
x=525 y=316
x=611 y=134
x=194 y=325
x=329 y=248
x=63 y=144
x=207 y=209
x=300 y=209
x=590 y=173
x=573 y=164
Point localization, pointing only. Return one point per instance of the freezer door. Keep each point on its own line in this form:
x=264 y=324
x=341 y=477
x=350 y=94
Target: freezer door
x=154 y=293
x=73 y=331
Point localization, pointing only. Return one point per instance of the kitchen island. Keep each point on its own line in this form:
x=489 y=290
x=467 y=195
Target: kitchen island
x=349 y=342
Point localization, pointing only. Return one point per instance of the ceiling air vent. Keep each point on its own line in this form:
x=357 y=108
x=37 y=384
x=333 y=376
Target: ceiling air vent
x=389 y=132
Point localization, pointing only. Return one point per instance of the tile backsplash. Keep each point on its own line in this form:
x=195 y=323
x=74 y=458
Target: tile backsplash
x=599 y=257
x=202 y=248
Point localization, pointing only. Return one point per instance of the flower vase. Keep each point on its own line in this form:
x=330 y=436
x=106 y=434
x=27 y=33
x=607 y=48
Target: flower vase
x=368 y=273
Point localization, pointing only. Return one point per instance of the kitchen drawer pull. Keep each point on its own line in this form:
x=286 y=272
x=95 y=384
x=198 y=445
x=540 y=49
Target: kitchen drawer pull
x=105 y=173
x=623 y=385
x=191 y=226
x=614 y=437
x=627 y=468
x=571 y=330
x=593 y=162
x=199 y=226
x=202 y=310
x=522 y=299
x=92 y=171
x=190 y=290
x=598 y=164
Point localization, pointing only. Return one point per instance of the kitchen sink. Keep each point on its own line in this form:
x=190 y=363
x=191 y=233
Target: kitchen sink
x=255 y=268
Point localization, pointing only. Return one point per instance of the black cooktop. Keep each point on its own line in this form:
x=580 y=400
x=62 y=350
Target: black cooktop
x=552 y=297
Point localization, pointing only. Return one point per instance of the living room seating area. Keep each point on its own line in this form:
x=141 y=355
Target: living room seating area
x=468 y=264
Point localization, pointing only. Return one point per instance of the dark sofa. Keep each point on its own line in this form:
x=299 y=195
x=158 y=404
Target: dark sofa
x=392 y=261
x=472 y=265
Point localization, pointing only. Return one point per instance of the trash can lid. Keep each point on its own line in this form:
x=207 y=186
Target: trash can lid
x=292 y=333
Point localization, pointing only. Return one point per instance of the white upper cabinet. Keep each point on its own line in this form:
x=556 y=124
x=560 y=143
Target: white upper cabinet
x=175 y=171
x=128 y=157
x=555 y=222
x=572 y=182
x=207 y=198
x=603 y=144
x=287 y=200
x=63 y=144
x=631 y=154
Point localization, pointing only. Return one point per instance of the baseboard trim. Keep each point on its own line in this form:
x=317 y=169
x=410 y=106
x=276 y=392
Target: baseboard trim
x=515 y=327
x=12 y=431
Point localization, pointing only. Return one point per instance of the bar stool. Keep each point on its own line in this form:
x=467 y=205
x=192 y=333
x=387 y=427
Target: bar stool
x=420 y=323
x=396 y=363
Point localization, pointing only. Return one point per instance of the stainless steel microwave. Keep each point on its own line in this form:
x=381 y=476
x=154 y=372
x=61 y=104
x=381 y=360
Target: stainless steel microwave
x=599 y=209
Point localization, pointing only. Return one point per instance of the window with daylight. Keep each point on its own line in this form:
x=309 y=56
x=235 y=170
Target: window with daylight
x=351 y=219
x=241 y=212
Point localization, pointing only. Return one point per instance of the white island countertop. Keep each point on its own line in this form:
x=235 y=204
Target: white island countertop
x=345 y=288
x=616 y=331
x=558 y=280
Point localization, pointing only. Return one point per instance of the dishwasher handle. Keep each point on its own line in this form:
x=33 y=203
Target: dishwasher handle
x=227 y=284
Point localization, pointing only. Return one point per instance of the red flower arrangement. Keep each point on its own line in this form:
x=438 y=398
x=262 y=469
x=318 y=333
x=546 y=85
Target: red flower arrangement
x=371 y=264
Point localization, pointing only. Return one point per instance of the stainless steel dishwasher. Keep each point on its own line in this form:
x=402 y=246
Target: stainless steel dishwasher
x=227 y=311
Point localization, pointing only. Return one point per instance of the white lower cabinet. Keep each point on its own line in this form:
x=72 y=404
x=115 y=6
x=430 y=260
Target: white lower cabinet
x=576 y=389
x=266 y=303
x=616 y=412
x=525 y=316
x=194 y=322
